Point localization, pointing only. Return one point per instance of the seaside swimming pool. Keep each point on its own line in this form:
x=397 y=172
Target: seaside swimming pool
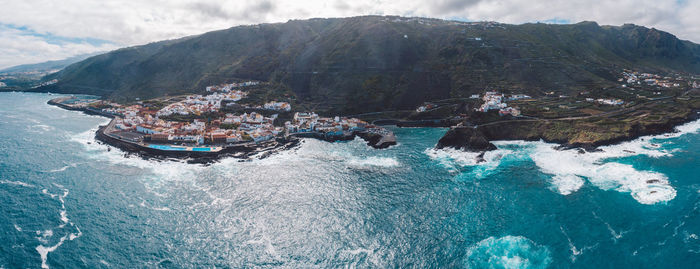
x=171 y=148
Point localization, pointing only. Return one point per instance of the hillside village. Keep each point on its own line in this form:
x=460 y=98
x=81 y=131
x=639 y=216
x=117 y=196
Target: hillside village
x=142 y=123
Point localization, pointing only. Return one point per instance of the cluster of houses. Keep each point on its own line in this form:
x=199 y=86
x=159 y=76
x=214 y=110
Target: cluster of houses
x=198 y=104
x=230 y=86
x=230 y=128
x=308 y=122
x=46 y=83
x=634 y=77
x=277 y=106
x=227 y=129
x=611 y=102
x=495 y=101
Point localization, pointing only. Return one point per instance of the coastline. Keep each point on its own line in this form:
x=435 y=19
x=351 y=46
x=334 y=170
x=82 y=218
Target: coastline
x=464 y=137
x=478 y=138
x=214 y=153
x=244 y=151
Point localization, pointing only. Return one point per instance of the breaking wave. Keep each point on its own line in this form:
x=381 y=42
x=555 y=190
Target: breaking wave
x=455 y=160
x=373 y=161
x=508 y=252
x=570 y=169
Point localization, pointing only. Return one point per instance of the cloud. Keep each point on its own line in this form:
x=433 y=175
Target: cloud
x=21 y=46
x=451 y=6
x=126 y=22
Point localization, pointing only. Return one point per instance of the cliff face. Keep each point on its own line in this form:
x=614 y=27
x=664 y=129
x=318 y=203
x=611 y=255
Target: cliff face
x=465 y=138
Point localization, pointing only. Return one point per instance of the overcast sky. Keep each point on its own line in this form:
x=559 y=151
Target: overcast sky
x=39 y=30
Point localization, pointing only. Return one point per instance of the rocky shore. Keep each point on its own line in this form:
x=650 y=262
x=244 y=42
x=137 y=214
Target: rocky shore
x=378 y=141
x=582 y=134
x=375 y=140
x=466 y=138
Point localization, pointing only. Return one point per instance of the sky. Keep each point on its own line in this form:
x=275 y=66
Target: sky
x=34 y=31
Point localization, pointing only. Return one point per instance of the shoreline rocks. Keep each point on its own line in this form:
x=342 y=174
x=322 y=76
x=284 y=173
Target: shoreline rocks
x=568 y=134
x=465 y=138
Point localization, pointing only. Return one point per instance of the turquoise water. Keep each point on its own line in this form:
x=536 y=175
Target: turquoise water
x=167 y=147
x=68 y=204
x=201 y=149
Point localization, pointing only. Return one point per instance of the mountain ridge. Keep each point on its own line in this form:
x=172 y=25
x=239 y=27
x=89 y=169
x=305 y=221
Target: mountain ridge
x=47 y=65
x=372 y=63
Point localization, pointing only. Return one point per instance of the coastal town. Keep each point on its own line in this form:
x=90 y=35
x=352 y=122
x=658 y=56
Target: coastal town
x=209 y=127
x=235 y=116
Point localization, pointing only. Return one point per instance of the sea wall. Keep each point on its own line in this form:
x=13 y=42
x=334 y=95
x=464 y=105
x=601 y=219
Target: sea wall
x=237 y=151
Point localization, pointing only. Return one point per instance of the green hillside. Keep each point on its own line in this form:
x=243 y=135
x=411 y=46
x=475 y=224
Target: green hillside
x=374 y=63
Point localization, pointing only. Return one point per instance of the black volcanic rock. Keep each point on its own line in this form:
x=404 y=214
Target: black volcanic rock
x=465 y=138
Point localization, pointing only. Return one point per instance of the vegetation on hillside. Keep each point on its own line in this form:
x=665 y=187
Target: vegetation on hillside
x=376 y=63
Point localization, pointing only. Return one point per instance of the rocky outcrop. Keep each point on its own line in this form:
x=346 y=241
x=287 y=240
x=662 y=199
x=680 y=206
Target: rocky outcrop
x=465 y=138
x=378 y=141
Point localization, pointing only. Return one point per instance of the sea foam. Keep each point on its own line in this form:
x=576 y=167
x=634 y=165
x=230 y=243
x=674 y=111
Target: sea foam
x=373 y=161
x=508 y=252
x=569 y=169
x=454 y=160
x=45 y=235
x=16 y=183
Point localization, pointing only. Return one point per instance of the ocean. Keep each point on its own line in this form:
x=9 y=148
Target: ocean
x=68 y=202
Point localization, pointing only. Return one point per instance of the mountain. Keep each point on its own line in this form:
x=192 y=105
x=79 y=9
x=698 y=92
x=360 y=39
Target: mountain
x=372 y=63
x=48 y=66
x=30 y=75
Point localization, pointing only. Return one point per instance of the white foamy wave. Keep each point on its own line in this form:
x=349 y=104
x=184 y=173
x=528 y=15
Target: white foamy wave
x=508 y=252
x=373 y=161
x=450 y=157
x=16 y=183
x=62 y=168
x=44 y=251
x=566 y=166
x=615 y=235
x=483 y=163
x=575 y=252
x=359 y=251
x=567 y=184
x=73 y=236
x=163 y=170
x=59 y=169
x=688 y=128
x=45 y=235
x=44 y=127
